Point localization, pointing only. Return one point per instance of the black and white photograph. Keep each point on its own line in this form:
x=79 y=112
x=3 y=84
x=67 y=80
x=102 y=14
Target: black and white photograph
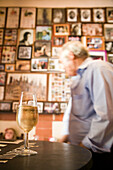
x=98 y=15
x=59 y=40
x=26 y=36
x=85 y=15
x=58 y=15
x=74 y=38
x=1 y=92
x=9 y=67
x=61 y=29
x=75 y=29
x=23 y=65
x=55 y=52
x=24 y=52
x=1 y=36
x=109 y=46
x=55 y=65
x=72 y=15
x=108 y=32
x=109 y=13
x=44 y=16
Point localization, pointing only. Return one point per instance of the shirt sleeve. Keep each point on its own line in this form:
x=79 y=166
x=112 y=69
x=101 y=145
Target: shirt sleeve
x=65 y=130
x=100 y=85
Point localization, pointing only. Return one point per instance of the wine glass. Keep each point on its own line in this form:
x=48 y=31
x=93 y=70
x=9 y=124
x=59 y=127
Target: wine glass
x=27 y=118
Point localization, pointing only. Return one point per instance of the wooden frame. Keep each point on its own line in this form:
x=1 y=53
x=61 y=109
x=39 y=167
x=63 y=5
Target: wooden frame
x=85 y=15
x=24 y=52
x=109 y=46
x=109 y=14
x=26 y=36
x=61 y=29
x=10 y=37
x=98 y=55
x=72 y=14
x=44 y=16
x=23 y=65
x=5 y=106
x=75 y=29
x=58 y=15
x=98 y=15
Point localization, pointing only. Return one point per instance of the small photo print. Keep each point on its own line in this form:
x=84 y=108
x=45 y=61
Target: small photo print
x=10 y=37
x=44 y=16
x=98 y=15
x=110 y=58
x=9 y=67
x=43 y=33
x=109 y=12
x=24 y=52
x=92 y=29
x=59 y=40
x=26 y=36
x=55 y=52
x=51 y=108
x=72 y=15
x=63 y=107
x=85 y=15
x=76 y=29
x=1 y=92
x=2 y=78
x=5 y=106
x=109 y=46
x=39 y=64
x=22 y=65
x=58 y=15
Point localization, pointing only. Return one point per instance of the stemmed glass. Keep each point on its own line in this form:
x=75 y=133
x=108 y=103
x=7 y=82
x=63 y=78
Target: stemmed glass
x=27 y=117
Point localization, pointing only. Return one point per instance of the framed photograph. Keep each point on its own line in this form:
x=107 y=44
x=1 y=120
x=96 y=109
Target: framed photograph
x=58 y=41
x=59 y=87
x=58 y=15
x=13 y=17
x=101 y=55
x=9 y=67
x=24 y=52
x=5 y=106
x=94 y=42
x=2 y=17
x=92 y=29
x=108 y=32
x=8 y=54
x=2 y=67
x=26 y=36
x=40 y=107
x=0 y=54
x=34 y=82
x=2 y=78
x=61 y=29
x=28 y=17
x=55 y=65
x=75 y=29
x=15 y=106
x=10 y=37
x=23 y=65
x=1 y=36
x=85 y=15
x=1 y=92
x=72 y=14
x=42 y=49
x=110 y=58
x=74 y=38
x=109 y=14
x=51 y=108
x=43 y=33
x=109 y=46
x=44 y=16
x=39 y=64
x=63 y=107
x=98 y=15
x=55 y=52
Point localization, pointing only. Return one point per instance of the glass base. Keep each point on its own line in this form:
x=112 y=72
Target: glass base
x=26 y=152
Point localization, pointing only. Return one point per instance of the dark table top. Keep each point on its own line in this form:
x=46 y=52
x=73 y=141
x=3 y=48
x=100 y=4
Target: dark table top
x=51 y=156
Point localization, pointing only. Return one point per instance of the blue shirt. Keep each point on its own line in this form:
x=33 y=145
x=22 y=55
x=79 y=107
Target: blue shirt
x=91 y=106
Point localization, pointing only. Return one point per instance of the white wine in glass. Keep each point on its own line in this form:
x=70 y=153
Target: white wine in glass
x=27 y=118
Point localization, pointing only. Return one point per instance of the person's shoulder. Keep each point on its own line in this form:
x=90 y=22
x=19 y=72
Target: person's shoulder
x=100 y=63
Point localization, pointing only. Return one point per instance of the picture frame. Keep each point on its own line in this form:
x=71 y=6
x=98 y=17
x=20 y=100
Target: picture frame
x=1 y=92
x=1 y=36
x=10 y=37
x=24 y=52
x=58 y=41
x=98 y=15
x=55 y=52
x=23 y=65
x=39 y=64
x=5 y=106
x=58 y=15
x=2 y=17
x=101 y=55
x=9 y=67
x=36 y=83
x=26 y=36
x=72 y=15
x=44 y=33
x=1 y=54
x=28 y=19
x=55 y=65
x=42 y=49
x=108 y=32
x=40 y=107
x=92 y=29
x=85 y=15
x=109 y=14
x=13 y=17
x=61 y=29
x=51 y=108
x=109 y=46
x=75 y=29
x=94 y=42
x=110 y=58
x=2 y=78
x=2 y=67
x=74 y=38
x=8 y=54
x=15 y=106
x=44 y=16
x=63 y=107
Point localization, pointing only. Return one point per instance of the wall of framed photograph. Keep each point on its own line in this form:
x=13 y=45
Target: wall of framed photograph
x=30 y=41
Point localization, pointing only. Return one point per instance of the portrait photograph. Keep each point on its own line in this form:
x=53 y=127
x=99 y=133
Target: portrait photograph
x=39 y=64
x=2 y=17
x=92 y=29
x=8 y=54
x=58 y=15
x=85 y=15
x=35 y=83
x=9 y=67
x=61 y=29
x=27 y=19
x=23 y=65
x=1 y=92
x=43 y=33
x=109 y=46
x=59 y=40
x=5 y=106
x=51 y=108
x=24 y=52
x=44 y=16
x=98 y=15
x=10 y=37
x=75 y=29
x=42 y=49
x=2 y=78
x=110 y=58
x=13 y=18
x=72 y=15
x=101 y=55
x=108 y=32
x=26 y=36
x=1 y=36
x=109 y=13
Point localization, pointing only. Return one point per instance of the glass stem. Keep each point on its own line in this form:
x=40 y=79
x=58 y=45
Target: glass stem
x=26 y=141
